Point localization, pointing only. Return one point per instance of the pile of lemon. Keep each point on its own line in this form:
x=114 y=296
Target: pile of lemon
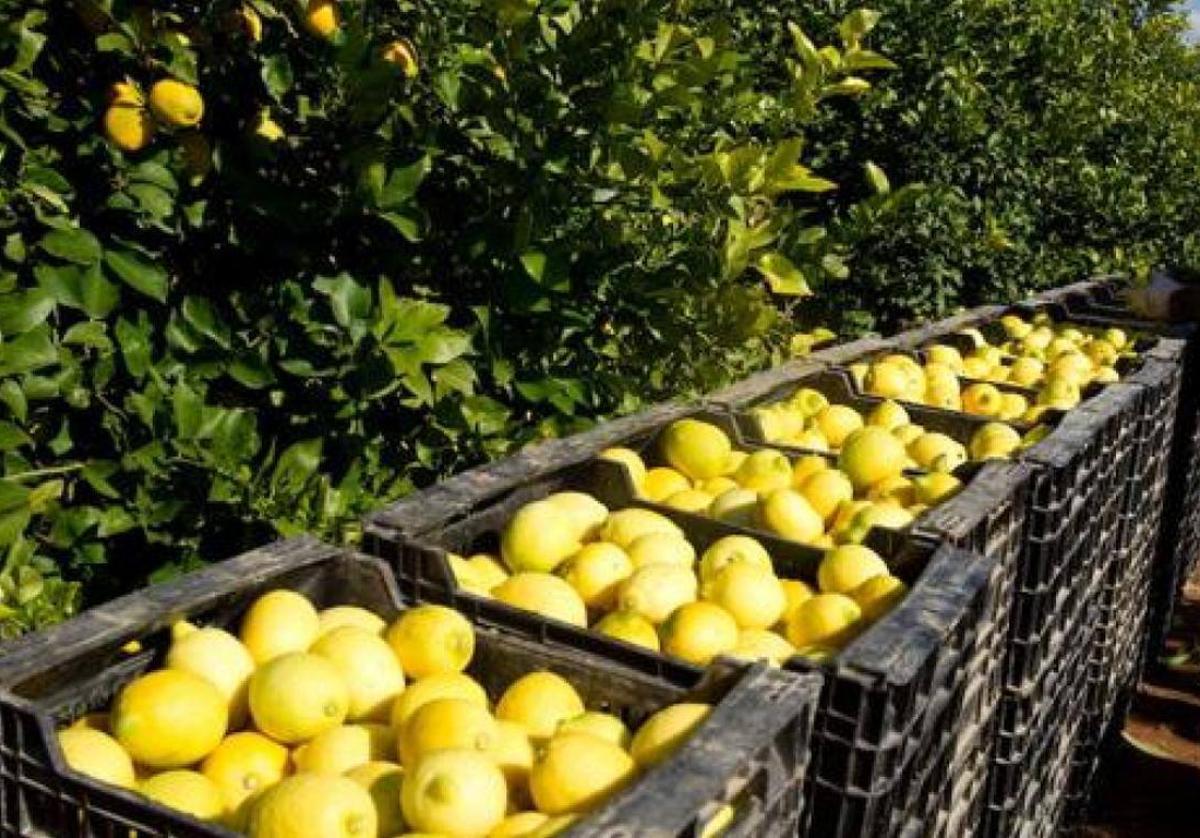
x=1055 y=361
x=632 y=573
x=333 y=724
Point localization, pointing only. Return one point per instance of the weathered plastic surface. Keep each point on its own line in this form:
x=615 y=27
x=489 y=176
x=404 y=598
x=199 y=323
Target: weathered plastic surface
x=751 y=753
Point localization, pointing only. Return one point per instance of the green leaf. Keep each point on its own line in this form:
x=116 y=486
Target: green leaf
x=33 y=350
x=350 y=302
x=98 y=295
x=277 y=75
x=92 y=334
x=72 y=245
x=864 y=59
x=13 y=437
x=403 y=183
x=200 y=314
x=547 y=269
x=137 y=273
x=134 y=340
x=878 y=179
x=188 y=410
x=24 y=310
x=297 y=465
x=834 y=266
x=251 y=371
x=782 y=276
x=857 y=24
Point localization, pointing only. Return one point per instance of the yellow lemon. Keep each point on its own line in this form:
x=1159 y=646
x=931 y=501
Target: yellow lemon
x=539 y=537
x=763 y=471
x=662 y=482
x=698 y=449
x=539 y=702
x=337 y=750
x=869 y=455
x=807 y=466
x=665 y=732
x=878 y=595
x=947 y=355
x=736 y=458
x=808 y=401
x=837 y=422
x=1059 y=393
x=928 y=448
x=603 y=725
x=577 y=771
x=719 y=485
x=732 y=549
x=661 y=548
x=586 y=513
x=630 y=627
x=691 y=500
x=242 y=766
x=932 y=488
x=1106 y=375
x=750 y=593
x=322 y=17
x=98 y=755
x=128 y=127
x=125 y=93
x=169 y=719
x=810 y=438
x=654 y=591
x=176 y=104
x=454 y=793
x=794 y=593
x=632 y=462
x=1012 y=406
x=383 y=781
x=514 y=754
x=624 y=526
x=186 y=791
x=349 y=615
x=981 y=400
x=887 y=380
x=828 y=620
x=898 y=489
x=596 y=571
x=888 y=415
x=277 y=623
x=402 y=54
x=995 y=439
x=294 y=697
x=520 y=825
x=788 y=513
x=886 y=515
x=219 y=658
x=487 y=571
x=826 y=490
x=431 y=639
x=699 y=631
x=447 y=723
x=369 y=667
x=544 y=594
x=737 y=507
x=314 y=806
x=761 y=644
x=431 y=688
x=1026 y=371
x=844 y=568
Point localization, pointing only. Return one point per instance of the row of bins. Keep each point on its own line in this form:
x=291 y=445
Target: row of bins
x=977 y=705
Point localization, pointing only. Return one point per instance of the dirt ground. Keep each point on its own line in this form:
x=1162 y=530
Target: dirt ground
x=1151 y=782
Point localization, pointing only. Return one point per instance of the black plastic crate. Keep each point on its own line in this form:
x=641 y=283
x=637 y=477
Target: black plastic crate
x=750 y=753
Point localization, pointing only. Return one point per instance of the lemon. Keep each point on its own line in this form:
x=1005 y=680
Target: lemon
x=314 y=806
x=947 y=355
x=1012 y=406
x=654 y=591
x=125 y=93
x=827 y=620
x=661 y=548
x=981 y=400
x=603 y=725
x=630 y=627
x=294 y=697
x=1106 y=375
x=1072 y=366
x=186 y=791
x=869 y=455
x=577 y=771
x=887 y=380
x=826 y=490
x=794 y=593
x=934 y=487
x=1026 y=371
x=349 y=615
x=994 y=439
x=98 y=755
x=431 y=639
x=219 y=658
x=807 y=466
x=808 y=401
x=176 y=104
x=322 y=18
x=514 y=754
x=749 y=593
x=788 y=514
x=92 y=721
x=732 y=549
x=539 y=537
x=691 y=500
x=432 y=687
x=631 y=461
x=624 y=526
x=520 y=825
x=718 y=486
x=544 y=594
x=242 y=766
x=454 y=793
x=974 y=367
x=277 y=623
x=596 y=571
x=931 y=447
x=664 y=732
x=844 y=568
x=761 y=644
x=1116 y=337
x=886 y=515
x=446 y=723
x=897 y=489
x=488 y=572
x=128 y=127
x=383 y=781
x=662 y=482
x=1059 y=393
x=169 y=719
x=586 y=513
x=763 y=471
x=337 y=750
x=369 y=668
x=737 y=507
x=878 y=595
x=837 y=422
x=732 y=464
x=697 y=449
x=539 y=702
x=888 y=415
x=698 y=631
x=810 y=438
